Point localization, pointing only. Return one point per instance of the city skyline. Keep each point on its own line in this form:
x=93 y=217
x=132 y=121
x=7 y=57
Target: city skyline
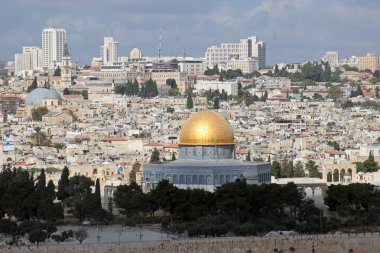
x=294 y=31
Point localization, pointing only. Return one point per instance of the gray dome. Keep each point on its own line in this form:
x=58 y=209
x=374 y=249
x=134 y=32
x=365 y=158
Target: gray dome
x=38 y=95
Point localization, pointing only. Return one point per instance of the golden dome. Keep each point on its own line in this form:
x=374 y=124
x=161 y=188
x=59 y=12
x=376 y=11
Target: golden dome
x=206 y=128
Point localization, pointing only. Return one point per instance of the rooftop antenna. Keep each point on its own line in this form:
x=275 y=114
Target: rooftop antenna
x=184 y=53
x=160 y=43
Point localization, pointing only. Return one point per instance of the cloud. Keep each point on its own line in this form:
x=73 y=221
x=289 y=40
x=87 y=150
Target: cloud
x=294 y=30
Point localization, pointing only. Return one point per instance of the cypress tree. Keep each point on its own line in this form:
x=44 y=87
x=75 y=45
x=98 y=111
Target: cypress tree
x=41 y=185
x=63 y=183
x=50 y=190
x=97 y=195
x=155 y=157
x=248 y=157
x=216 y=103
x=189 y=102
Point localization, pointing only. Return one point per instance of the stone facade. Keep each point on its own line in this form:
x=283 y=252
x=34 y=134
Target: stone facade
x=341 y=243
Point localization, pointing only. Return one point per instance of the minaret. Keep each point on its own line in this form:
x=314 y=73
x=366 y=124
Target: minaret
x=66 y=67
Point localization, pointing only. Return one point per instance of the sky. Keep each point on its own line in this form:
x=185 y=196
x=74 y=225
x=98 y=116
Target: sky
x=294 y=30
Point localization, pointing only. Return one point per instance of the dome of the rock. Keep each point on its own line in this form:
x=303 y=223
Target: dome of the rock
x=206 y=128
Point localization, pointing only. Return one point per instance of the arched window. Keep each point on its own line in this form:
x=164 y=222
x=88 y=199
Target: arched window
x=336 y=175
x=329 y=177
x=342 y=172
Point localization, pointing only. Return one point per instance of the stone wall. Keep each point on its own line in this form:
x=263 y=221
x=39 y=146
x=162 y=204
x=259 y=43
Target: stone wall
x=342 y=243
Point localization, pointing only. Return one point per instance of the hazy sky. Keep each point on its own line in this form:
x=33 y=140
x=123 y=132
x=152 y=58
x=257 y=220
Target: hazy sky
x=294 y=30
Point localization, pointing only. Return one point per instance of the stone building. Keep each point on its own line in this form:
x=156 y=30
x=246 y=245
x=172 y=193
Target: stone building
x=206 y=158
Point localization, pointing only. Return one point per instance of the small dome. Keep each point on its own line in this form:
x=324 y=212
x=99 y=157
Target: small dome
x=206 y=128
x=37 y=96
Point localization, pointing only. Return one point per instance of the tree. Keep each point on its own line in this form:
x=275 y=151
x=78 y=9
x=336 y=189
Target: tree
x=66 y=91
x=49 y=211
x=298 y=169
x=18 y=196
x=370 y=165
x=149 y=89
x=312 y=167
x=81 y=235
x=213 y=71
x=63 y=183
x=357 y=92
x=326 y=72
x=312 y=71
x=33 y=86
x=288 y=170
x=374 y=80
x=97 y=194
x=165 y=196
x=37 y=235
x=276 y=169
x=173 y=92
x=248 y=156
x=130 y=199
x=86 y=206
x=79 y=186
x=334 y=92
x=317 y=96
x=377 y=91
x=172 y=83
x=50 y=190
x=57 y=71
x=347 y=104
x=110 y=205
x=189 y=102
x=85 y=94
x=38 y=112
x=80 y=196
x=155 y=157
x=41 y=185
x=334 y=144
x=216 y=103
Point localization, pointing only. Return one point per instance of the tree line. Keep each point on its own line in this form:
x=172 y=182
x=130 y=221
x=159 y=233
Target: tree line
x=147 y=90
x=236 y=208
x=31 y=201
x=287 y=169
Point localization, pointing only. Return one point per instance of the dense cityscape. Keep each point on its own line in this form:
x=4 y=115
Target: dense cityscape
x=160 y=153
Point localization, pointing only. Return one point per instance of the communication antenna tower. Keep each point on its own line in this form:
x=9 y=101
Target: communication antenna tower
x=176 y=36
x=160 y=44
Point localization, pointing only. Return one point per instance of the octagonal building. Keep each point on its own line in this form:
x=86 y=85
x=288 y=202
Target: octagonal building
x=206 y=158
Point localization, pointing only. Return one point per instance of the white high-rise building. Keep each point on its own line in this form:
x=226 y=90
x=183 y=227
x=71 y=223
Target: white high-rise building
x=53 y=43
x=30 y=60
x=332 y=57
x=108 y=52
x=246 y=48
x=258 y=50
